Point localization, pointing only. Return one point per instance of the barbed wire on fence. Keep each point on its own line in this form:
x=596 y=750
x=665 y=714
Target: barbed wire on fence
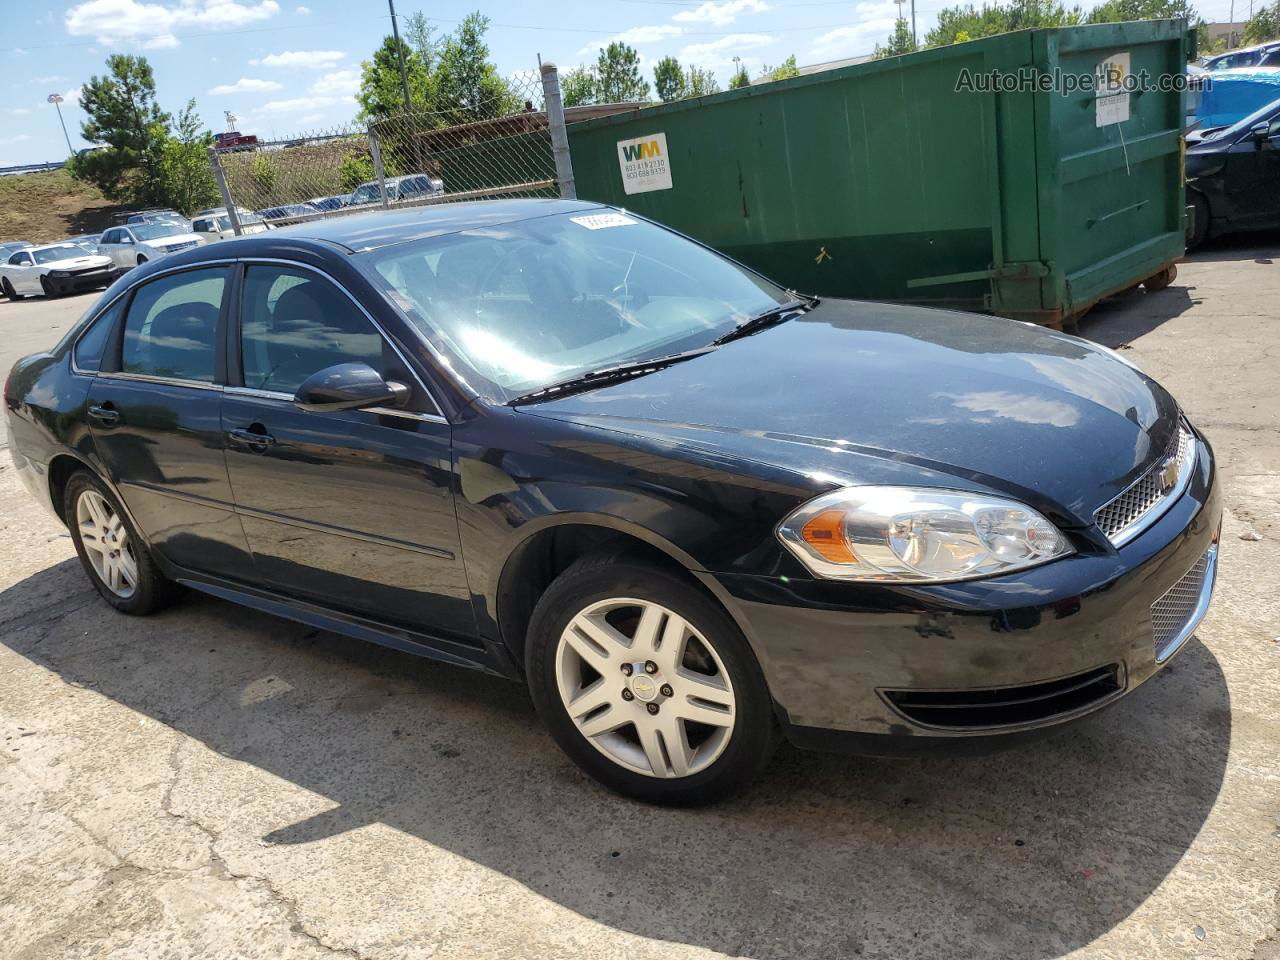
x=494 y=144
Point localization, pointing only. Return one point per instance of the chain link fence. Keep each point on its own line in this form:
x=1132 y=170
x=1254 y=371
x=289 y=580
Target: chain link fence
x=509 y=141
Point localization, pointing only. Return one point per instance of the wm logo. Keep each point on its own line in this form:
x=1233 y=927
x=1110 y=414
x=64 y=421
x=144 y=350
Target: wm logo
x=642 y=151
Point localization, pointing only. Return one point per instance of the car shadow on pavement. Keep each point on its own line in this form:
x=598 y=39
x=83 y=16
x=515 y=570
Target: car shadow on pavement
x=1030 y=852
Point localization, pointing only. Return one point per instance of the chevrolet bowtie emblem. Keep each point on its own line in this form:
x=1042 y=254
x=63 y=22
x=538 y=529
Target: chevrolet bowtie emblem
x=1167 y=474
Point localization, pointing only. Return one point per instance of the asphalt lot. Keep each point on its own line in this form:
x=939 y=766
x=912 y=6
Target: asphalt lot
x=211 y=782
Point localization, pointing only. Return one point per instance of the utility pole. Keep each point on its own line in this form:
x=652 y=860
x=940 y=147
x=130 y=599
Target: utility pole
x=915 y=42
x=56 y=100
x=404 y=76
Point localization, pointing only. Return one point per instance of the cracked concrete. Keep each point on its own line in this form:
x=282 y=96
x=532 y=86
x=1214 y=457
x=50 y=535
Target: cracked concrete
x=213 y=783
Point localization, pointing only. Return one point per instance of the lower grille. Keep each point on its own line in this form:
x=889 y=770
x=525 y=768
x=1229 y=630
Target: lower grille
x=1176 y=614
x=1006 y=706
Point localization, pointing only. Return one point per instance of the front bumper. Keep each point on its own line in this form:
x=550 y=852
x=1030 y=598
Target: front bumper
x=84 y=281
x=856 y=665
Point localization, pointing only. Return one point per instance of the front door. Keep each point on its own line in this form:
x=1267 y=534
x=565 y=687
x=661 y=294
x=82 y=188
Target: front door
x=1252 y=180
x=154 y=412
x=350 y=509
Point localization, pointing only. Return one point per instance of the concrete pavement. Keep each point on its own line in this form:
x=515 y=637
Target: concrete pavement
x=210 y=782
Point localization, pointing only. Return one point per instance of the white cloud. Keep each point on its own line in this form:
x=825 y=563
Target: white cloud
x=245 y=85
x=20 y=138
x=275 y=108
x=339 y=83
x=312 y=59
x=73 y=95
x=634 y=37
x=876 y=21
x=721 y=14
x=302 y=11
x=52 y=78
x=719 y=54
x=18 y=111
x=152 y=25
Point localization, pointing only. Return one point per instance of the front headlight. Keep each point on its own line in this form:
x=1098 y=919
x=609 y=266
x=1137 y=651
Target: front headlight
x=917 y=535
x=59 y=273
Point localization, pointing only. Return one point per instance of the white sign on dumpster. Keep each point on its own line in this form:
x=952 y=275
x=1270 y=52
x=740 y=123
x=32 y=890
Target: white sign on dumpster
x=644 y=163
x=1112 y=93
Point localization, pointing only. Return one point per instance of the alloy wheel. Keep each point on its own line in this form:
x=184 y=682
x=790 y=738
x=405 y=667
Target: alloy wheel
x=645 y=688
x=106 y=544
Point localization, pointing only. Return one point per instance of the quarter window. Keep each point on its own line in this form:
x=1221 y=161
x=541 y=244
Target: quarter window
x=92 y=343
x=294 y=324
x=171 y=328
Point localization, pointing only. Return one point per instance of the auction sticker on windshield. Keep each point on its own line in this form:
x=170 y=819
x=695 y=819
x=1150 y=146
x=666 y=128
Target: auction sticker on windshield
x=602 y=221
x=644 y=163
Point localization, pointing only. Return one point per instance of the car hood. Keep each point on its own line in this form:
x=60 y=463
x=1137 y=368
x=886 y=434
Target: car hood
x=165 y=242
x=77 y=263
x=854 y=392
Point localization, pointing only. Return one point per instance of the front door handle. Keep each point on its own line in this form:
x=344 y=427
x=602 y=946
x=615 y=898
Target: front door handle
x=105 y=414
x=252 y=438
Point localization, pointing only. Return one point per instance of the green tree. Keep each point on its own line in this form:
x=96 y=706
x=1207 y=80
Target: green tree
x=699 y=83
x=578 y=86
x=468 y=86
x=355 y=169
x=422 y=37
x=381 y=93
x=123 y=114
x=1117 y=11
x=740 y=77
x=967 y=22
x=618 y=77
x=188 y=182
x=668 y=79
x=1263 y=25
x=900 y=41
x=787 y=68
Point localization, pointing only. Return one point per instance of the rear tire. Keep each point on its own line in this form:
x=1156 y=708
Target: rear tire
x=678 y=711
x=116 y=559
x=1161 y=279
x=9 y=291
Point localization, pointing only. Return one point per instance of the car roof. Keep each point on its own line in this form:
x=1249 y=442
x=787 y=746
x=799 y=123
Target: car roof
x=381 y=228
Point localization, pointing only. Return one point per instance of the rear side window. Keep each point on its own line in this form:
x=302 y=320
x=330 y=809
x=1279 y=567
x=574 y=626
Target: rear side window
x=294 y=323
x=172 y=325
x=92 y=343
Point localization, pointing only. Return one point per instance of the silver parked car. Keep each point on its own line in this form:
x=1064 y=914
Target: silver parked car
x=134 y=245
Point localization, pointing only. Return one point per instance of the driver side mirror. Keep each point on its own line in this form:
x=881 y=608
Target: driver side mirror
x=349 y=386
x=1260 y=131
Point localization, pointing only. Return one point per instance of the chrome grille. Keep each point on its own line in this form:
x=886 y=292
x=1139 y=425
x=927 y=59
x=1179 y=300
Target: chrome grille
x=1124 y=517
x=1176 y=614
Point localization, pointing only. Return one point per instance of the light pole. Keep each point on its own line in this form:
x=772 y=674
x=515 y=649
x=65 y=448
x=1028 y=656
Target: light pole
x=404 y=76
x=56 y=100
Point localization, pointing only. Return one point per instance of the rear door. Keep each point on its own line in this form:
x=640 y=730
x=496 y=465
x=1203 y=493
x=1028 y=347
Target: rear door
x=348 y=509
x=154 y=411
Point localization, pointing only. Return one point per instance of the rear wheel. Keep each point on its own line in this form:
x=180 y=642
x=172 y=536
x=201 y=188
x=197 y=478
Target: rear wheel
x=1161 y=279
x=1199 y=228
x=647 y=684
x=9 y=291
x=113 y=555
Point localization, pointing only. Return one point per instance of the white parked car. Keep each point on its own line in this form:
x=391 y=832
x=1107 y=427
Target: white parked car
x=137 y=243
x=217 y=226
x=53 y=270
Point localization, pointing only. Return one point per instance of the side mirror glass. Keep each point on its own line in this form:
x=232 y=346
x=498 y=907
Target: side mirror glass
x=1260 y=131
x=349 y=386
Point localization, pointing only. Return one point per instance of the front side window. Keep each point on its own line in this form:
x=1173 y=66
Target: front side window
x=295 y=323
x=172 y=324
x=531 y=303
x=20 y=260
x=366 y=193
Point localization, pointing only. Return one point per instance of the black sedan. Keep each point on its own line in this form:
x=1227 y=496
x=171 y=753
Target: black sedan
x=696 y=512
x=1233 y=177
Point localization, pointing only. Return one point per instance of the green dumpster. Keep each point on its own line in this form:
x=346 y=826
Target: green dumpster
x=951 y=177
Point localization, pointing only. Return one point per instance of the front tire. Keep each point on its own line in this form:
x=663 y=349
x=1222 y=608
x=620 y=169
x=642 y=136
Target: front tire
x=141 y=259
x=116 y=559
x=1200 y=220
x=48 y=288
x=647 y=684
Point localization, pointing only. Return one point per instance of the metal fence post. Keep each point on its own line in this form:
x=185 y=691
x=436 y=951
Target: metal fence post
x=559 y=136
x=221 y=177
x=377 y=165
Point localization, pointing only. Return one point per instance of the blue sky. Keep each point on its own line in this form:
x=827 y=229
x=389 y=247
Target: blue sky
x=285 y=67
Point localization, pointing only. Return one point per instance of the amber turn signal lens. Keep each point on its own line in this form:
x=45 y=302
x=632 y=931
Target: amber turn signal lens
x=825 y=534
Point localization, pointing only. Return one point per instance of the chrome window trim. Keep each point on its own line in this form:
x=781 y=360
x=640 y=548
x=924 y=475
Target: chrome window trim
x=250 y=261
x=282 y=397
x=167 y=381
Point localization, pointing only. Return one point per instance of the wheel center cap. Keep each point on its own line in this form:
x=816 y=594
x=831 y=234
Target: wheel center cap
x=644 y=687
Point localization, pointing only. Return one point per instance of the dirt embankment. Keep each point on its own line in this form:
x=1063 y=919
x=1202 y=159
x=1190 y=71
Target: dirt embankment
x=41 y=207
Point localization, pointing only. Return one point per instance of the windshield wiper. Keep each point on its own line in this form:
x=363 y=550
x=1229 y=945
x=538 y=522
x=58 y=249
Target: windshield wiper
x=765 y=318
x=607 y=375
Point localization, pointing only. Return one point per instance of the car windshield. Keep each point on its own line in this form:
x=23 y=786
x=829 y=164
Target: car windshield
x=528 y=304
x=154 y=231
x=1241 y=127
x=64 y=251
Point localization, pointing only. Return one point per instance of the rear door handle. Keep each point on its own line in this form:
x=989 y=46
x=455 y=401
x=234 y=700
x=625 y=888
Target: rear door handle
x=251 y=438
x=105 y=415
